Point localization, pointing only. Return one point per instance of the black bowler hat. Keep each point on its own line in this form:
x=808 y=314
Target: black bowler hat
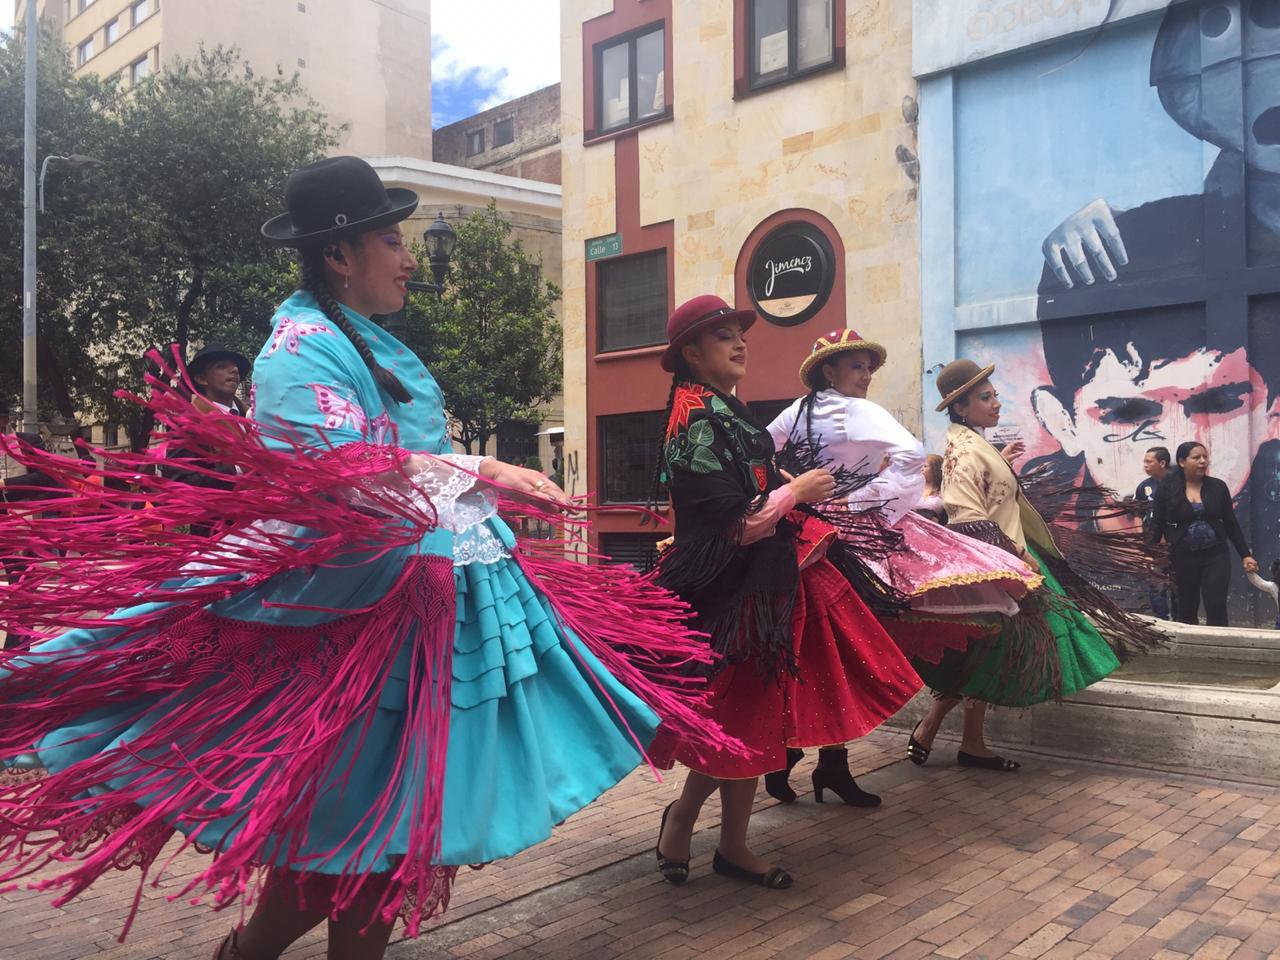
x=340 y=196
x=217 y=351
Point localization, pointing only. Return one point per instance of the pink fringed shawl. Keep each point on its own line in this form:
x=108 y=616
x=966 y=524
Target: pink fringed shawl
x=246 y=721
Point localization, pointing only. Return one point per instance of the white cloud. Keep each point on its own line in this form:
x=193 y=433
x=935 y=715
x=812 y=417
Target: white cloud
x=511 y=46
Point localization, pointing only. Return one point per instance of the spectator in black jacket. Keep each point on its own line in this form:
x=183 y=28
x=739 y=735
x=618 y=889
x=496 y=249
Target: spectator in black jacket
x=1155 y=464
x=216 y=373
x=1194 y=513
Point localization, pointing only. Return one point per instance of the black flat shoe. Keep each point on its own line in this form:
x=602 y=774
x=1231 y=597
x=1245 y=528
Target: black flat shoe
x=917 y=752
x=775 y=879
x=776 y=784
x=673 y=871
x=986 y=763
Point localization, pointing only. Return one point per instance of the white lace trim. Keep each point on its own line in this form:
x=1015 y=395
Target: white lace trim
x=462 y=507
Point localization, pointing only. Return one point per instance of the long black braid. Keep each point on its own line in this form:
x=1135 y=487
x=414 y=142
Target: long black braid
x=314 y=282
x=660 y=461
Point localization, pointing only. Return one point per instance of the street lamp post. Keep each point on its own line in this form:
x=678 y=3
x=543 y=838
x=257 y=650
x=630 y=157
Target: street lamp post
x=440 y=240
x=30 y=420
x=72 y=160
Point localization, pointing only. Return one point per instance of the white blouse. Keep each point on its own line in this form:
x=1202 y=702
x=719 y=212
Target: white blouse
x=861 y=436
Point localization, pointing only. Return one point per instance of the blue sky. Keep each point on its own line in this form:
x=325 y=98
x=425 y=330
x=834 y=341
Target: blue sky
x=485 y=52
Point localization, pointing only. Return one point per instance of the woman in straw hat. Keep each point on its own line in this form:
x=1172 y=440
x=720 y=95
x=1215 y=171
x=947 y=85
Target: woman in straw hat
x=1050 y=649
x=802 y=661
x=373 y=685
x=956 y=586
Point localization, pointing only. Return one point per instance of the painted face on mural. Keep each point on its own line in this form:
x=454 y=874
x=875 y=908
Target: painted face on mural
x=1128 y=405
x=1196 y=64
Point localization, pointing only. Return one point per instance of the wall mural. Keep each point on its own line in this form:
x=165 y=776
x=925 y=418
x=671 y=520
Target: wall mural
x=1157 y=307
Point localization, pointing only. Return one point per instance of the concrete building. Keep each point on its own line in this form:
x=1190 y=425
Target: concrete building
x=700 y=142
x=533 y=210
x=520 y=138
x=386 y=43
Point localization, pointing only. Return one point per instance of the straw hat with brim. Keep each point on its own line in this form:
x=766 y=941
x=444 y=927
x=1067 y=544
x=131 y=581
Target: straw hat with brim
x=337 y=197
x=835 y=342
x=959 y=377
x=213 y=352
x=694 y=316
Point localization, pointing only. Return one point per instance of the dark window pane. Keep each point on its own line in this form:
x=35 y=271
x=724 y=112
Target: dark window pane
x=632 y=301
x=628 y=455
x=475 y=142
x=636 y=549
x=764 y=412
x=769 y=38
x=517 y=442
x=614 y=94
x=504 y=132
x=650 y=75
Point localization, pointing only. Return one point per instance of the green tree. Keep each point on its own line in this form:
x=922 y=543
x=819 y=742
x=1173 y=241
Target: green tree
x=203 y=152
x=160 y=244
x=492 y=341
x=74 y=115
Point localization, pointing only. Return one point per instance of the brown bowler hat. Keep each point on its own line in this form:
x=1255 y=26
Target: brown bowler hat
x=959 y=377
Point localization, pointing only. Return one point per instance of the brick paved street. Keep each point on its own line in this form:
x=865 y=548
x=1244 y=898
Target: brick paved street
x=1061 y=860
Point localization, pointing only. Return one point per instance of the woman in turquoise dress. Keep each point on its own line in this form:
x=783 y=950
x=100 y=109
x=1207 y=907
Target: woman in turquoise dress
x=341 y=721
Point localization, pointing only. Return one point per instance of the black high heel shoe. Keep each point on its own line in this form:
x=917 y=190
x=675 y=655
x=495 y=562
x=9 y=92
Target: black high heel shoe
x=832 y=773
x=776 y=784
x=228 y=949
x=673 y=871
x=775 y=879
x=917 y=752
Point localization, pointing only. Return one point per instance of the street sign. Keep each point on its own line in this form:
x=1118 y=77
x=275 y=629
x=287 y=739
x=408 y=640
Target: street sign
x=600 y=247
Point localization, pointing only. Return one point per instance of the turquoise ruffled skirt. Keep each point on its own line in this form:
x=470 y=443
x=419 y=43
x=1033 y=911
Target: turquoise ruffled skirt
x=538 y=727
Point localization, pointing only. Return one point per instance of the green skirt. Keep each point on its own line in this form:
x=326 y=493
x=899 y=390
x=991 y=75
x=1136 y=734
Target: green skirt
x=1008 y=670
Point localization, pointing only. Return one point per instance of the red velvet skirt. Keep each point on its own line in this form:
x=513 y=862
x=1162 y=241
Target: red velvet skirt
x=852 y=677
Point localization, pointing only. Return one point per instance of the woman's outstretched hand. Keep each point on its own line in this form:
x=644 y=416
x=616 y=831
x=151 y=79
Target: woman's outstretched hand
x=813 y=486
x=523 y=482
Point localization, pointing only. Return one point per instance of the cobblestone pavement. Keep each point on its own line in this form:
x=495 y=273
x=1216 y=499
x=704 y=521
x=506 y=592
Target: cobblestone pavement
x=1060 y=860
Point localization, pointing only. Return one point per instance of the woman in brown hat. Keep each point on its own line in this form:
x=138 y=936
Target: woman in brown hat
x=956 y=586
x=802 y=661
x=1050 y=649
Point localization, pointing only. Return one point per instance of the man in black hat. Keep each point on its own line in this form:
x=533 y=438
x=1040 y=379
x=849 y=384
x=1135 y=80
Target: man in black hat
x=216 y=372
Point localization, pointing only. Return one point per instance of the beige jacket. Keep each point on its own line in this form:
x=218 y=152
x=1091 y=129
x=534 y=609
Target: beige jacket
x=977 y=484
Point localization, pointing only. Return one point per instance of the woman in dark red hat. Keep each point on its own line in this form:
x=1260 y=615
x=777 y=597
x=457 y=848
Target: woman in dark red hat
x=801 y=660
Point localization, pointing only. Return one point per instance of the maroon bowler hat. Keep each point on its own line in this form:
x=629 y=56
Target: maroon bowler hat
x=692 y=317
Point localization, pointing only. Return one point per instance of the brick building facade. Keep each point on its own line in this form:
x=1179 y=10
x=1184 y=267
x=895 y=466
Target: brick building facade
x=520 y=138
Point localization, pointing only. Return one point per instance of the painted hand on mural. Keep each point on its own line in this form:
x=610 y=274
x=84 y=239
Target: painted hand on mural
x=1089 y=234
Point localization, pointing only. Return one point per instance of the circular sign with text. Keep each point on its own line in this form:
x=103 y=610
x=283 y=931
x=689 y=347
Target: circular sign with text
x=792 y=272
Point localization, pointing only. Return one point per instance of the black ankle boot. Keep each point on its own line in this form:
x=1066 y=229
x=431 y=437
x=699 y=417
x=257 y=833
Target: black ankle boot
x=832 y=773
x=776 y=785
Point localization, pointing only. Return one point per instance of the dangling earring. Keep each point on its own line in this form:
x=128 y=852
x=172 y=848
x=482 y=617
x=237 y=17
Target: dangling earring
x=346 y=283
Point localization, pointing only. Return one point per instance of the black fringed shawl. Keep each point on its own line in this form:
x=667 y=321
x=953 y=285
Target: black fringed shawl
x=718 y=464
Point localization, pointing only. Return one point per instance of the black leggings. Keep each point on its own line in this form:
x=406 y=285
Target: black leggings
x=1202 y=573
